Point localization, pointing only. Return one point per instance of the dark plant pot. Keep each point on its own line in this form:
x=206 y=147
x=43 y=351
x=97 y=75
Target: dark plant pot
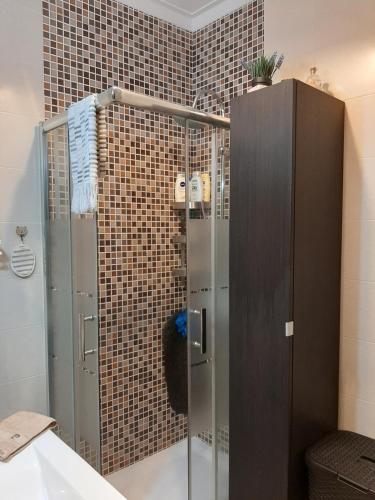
x=261 y=80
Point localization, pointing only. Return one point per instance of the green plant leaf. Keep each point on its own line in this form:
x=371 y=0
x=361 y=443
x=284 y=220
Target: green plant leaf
x=264 y=67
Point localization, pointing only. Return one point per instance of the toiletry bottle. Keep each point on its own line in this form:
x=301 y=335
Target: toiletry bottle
x=179 y=192
x=206 y=183
x=196 y=188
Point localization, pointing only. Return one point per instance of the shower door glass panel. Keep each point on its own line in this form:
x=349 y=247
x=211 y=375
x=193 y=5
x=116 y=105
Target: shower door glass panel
x=59 y=286
x=200 y=357
x=207 y=287
x=72 y=309
x=85 y=321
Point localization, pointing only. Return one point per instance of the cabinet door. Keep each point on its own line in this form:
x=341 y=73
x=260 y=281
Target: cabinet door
x=261 y=235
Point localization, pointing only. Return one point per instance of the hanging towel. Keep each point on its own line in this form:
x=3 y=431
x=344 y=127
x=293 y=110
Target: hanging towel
x=83 y=154
x=19 y=429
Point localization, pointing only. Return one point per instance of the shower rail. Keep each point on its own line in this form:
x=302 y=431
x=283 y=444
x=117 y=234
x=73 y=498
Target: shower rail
x=115 y=95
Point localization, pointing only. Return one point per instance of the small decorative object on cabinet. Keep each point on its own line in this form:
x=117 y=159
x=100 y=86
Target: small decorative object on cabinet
x=285 y=250
x=262 y=70
x=313 y=79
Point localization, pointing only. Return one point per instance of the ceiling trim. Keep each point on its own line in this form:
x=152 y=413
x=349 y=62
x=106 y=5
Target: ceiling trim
x=183 y=18
x=190 y=13
x=162 y=11
x=213 y=11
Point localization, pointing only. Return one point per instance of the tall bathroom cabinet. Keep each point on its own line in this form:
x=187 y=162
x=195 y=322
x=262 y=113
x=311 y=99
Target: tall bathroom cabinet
x=285 y=251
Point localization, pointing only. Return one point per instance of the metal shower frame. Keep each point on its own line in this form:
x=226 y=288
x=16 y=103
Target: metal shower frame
x=116 y=95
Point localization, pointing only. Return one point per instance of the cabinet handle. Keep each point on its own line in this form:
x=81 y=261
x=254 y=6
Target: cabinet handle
x=289 y=329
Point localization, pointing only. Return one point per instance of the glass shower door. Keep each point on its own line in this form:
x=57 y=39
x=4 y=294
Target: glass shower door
x=85 y=328
x=71 y=243
x=208 y=311
x=59 y=286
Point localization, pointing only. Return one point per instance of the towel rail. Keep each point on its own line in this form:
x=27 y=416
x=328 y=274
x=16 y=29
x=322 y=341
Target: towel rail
x=140 y=101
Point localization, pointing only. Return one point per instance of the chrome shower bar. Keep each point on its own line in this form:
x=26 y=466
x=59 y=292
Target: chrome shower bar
x=115 y=95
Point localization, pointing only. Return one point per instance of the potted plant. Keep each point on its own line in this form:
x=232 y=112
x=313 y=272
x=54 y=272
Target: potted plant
x=262 y=69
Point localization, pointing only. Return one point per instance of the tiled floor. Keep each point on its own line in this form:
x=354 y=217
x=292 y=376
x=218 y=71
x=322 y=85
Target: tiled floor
x=165 y=475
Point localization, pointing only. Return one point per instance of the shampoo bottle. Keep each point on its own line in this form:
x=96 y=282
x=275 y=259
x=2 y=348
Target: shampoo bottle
x=196 y=187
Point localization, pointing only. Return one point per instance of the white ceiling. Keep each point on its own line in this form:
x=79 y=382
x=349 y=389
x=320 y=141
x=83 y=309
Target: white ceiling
x=192 y=7
x=188 y=14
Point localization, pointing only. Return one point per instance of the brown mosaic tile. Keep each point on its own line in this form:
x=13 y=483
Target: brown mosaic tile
x=137 y=290
x=90 y=45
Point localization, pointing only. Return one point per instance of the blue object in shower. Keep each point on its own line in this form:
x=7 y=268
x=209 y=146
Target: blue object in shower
x=181 y=323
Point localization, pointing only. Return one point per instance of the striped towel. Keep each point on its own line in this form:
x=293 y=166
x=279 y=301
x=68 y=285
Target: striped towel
x=83 y=154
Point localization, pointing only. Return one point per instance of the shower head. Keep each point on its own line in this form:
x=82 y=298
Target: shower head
x=193 y=124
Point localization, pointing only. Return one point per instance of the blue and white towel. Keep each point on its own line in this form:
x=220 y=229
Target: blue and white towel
x=83 y=154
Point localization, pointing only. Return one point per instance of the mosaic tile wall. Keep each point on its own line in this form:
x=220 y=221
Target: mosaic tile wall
x=218 y=49
x=90 y=45
x=136 y=288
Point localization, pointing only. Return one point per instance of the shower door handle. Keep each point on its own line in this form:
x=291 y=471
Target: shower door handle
x=202 y=345
x=82 y=336
x=203 y=330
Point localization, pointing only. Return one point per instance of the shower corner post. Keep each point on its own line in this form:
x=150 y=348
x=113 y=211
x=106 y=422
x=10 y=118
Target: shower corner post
x=41 y=143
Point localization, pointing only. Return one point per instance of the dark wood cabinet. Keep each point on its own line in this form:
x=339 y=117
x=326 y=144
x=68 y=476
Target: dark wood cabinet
x=285 y=259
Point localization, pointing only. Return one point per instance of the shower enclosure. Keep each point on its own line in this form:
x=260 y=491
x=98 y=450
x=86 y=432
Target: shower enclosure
x=76 y=355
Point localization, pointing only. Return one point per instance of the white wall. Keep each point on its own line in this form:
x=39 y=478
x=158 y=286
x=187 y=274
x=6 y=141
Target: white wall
x=22 y=333
x=338 y=36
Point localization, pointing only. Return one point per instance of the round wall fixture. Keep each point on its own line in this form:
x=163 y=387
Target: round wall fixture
x=23 y=261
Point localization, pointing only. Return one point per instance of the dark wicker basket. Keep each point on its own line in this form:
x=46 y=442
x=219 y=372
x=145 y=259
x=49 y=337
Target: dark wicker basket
x=342 y=467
